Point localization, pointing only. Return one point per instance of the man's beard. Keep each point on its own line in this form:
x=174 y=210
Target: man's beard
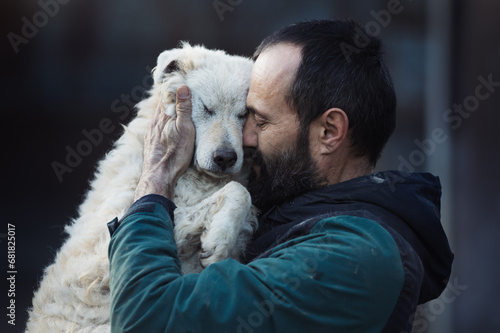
x=284 y=175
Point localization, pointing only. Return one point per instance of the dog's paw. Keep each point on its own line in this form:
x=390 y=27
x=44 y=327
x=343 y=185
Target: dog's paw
x=211 y=253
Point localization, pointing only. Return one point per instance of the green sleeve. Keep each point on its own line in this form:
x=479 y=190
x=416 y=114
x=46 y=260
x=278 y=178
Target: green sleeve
x=345 y=276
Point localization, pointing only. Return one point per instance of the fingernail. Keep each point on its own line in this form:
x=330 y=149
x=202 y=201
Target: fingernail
x=183 y=92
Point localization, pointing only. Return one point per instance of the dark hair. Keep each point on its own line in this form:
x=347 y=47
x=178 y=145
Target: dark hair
x=341 y=67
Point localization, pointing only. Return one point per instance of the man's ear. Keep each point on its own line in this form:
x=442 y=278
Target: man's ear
x=334 y=125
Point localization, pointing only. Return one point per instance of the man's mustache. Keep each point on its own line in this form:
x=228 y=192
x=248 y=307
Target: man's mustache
x=255 y=155
x=251 y=152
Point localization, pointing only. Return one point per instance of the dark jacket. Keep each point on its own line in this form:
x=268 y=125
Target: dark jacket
x=357 y=256
x=406 y=205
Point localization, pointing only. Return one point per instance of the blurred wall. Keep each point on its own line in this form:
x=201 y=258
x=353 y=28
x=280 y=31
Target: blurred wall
x=476 y=179
x=68 y=64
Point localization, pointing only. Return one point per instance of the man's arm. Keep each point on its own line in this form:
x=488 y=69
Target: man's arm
x=345 y=276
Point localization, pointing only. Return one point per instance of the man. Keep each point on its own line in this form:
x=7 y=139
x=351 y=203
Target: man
x=339 y=249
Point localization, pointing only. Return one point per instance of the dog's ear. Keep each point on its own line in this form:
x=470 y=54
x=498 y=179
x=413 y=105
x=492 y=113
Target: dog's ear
x=175 y=62
x=173 y=66
x=172 y=70
x=168 y=64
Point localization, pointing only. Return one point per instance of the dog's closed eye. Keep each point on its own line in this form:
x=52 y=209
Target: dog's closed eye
x=243 y=115
x=207 y=110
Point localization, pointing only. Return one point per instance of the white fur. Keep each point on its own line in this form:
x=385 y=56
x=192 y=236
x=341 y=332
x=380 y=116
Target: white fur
x=214 y=217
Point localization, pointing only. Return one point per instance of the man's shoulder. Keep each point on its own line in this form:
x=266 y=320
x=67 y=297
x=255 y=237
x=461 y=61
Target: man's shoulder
x=354 y=240
x=360 y=237
x=363 y=235
x=361 y=225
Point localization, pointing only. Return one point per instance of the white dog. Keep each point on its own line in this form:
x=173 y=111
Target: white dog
x=214 y=219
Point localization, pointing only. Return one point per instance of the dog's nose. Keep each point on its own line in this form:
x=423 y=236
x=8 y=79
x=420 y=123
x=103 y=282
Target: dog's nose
x=225 y=158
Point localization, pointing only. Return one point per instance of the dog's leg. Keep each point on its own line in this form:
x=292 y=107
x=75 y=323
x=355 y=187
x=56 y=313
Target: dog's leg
x=190 y=223
x=228 y=231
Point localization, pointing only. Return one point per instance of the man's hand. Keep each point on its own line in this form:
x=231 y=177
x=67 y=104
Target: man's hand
x=168 y=148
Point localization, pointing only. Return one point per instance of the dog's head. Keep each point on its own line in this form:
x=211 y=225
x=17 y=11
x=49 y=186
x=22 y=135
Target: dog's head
x=219 y=85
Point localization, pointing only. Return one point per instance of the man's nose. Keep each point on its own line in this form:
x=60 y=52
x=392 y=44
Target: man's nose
x=250 y=138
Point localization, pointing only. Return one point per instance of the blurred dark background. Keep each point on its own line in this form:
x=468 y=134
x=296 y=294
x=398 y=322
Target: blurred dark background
x=66 y=65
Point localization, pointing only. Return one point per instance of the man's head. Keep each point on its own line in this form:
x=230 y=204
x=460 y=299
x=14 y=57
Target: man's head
x=322 y=107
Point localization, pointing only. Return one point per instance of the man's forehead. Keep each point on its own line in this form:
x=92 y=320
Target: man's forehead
x=276 y=66
x=273 y=72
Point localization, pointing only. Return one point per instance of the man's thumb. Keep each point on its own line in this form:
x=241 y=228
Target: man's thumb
x=183 y=104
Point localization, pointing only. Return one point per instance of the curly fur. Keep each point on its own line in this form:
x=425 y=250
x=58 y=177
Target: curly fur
x=214 y=218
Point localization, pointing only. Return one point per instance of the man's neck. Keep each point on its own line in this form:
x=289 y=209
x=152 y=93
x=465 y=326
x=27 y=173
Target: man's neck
x=353 y=167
